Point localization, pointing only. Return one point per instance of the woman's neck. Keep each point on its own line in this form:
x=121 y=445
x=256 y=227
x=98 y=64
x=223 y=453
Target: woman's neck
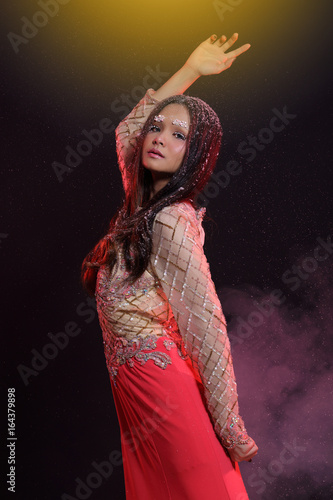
x=159 y=182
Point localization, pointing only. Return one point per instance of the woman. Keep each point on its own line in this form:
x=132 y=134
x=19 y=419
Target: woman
x=165 y=338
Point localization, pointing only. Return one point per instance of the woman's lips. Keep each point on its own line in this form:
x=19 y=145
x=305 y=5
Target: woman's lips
x=155 y=153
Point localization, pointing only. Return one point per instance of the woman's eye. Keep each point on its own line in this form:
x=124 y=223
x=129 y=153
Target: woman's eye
x=153 y=128
x=180 y=136
x=156 y=128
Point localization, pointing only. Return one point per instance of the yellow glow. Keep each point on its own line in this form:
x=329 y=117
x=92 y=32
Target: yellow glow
x=105 y=43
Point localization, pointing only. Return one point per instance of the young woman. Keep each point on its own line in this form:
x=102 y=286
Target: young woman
x=165 y=338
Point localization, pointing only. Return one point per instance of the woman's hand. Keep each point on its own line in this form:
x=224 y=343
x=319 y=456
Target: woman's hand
x=243 y=452
x=210 y=58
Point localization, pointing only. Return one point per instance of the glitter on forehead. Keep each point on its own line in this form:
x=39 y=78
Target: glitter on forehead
x=159 y=118
x=180 y=123
x=176 y=121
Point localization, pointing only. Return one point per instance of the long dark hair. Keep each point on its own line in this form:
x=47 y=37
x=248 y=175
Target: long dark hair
x=131 y=226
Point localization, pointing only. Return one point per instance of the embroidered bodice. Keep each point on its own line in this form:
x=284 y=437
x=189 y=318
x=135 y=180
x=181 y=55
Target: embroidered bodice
x=175 y=298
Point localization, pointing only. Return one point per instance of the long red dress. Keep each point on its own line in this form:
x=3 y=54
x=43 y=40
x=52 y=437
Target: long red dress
x=168 y=355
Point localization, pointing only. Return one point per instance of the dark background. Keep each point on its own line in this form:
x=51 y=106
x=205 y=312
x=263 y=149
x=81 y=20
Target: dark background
x=65 y=79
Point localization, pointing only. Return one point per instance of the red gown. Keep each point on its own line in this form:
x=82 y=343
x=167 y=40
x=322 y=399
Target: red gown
x=168 y=355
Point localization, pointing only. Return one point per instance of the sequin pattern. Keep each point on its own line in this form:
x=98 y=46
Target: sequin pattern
x=181 y=304
x=126 y=351
x=118 y=289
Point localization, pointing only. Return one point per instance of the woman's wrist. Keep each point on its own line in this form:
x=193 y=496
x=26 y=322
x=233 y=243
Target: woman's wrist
x=191 y=72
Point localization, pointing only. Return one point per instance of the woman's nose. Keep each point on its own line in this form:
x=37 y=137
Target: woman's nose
x=158 y=139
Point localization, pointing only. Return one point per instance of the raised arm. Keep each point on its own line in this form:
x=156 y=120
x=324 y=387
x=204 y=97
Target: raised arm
x=209 y=58
x=181 y=266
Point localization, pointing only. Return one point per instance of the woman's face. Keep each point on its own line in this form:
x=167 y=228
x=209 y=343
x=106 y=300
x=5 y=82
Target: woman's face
x=164 y=147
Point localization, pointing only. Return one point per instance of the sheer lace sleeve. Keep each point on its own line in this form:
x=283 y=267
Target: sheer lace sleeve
x=180 y=264
x=128 y=130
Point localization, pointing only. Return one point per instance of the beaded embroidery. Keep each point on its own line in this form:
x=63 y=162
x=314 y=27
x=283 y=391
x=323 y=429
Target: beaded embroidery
x=125 y=351
x=117 y=289
x=237 y=433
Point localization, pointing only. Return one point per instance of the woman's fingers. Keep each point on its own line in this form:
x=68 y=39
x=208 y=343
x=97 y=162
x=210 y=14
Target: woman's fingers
x=252 y=452
x=240 y=50
x=230 y=42
x=221 y=40
x=218 y=41
x=244 y=452
x=225 y=45
x=211 y=56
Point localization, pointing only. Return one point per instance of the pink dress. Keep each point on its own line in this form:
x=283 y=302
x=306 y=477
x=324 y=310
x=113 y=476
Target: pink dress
x=168 y=355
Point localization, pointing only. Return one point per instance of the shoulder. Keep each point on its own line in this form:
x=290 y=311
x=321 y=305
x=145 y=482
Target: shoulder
x=181 y=209
x=177 y=213
x=177 y=219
